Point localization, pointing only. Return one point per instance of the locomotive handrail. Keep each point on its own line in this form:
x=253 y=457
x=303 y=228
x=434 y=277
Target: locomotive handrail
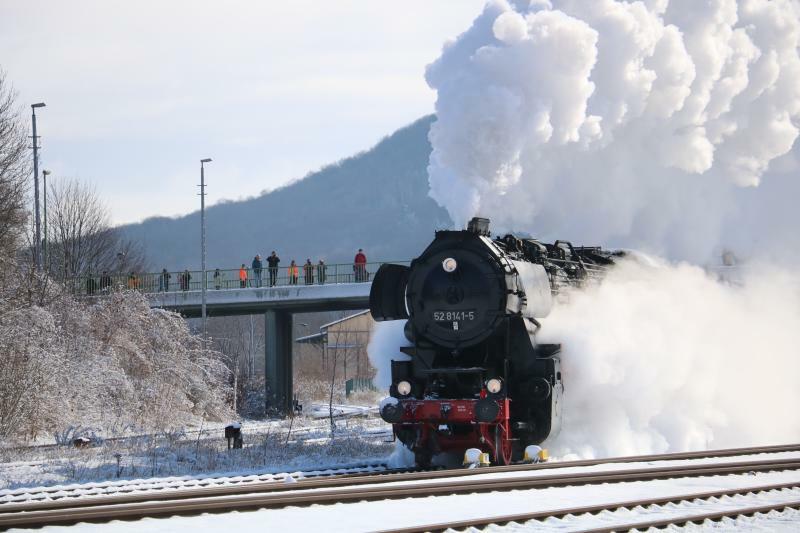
x=597 y=268
x=572 y=251
x=224 y=279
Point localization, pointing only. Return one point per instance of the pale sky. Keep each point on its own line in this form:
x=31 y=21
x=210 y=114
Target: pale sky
x=138 y=92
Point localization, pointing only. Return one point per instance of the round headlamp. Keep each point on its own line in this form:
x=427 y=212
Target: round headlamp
x=449 y=265
x=404 y=388
x=494 y=385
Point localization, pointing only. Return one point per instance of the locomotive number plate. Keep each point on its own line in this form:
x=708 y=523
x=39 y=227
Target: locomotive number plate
x=453 y=316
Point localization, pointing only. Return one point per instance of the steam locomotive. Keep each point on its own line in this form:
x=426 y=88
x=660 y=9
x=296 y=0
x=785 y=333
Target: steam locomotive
x=476 y=377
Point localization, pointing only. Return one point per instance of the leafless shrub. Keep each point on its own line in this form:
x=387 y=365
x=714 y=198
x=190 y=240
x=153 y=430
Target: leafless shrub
x=14 y=169
x=105 y=365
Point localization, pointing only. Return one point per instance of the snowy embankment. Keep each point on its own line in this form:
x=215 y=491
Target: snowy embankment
x=190 y=457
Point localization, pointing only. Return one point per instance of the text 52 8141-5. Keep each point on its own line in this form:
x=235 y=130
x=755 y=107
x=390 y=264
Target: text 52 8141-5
x=450 y=316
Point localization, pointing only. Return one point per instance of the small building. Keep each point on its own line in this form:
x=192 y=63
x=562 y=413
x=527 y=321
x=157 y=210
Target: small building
x=344 y=342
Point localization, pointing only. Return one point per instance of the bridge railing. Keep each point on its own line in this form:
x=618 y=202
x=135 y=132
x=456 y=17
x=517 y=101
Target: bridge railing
x=225 y=279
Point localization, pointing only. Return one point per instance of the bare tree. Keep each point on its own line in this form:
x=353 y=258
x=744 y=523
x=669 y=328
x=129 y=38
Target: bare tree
x=239 y=340
x=82 y=240
x=14 y=169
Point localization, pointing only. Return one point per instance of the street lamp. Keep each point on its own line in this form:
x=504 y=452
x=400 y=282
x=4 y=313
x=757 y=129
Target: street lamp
x=45 y=173
x=37 y=249
x=203 y=238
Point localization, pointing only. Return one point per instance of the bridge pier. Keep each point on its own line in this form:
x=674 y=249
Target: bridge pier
x=278 y=367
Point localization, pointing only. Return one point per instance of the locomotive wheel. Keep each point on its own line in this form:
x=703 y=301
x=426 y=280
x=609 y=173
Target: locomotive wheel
x=423 y=458
x=503 y=446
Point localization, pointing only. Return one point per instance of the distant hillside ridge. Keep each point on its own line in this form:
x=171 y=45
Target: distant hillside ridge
x=377 y=200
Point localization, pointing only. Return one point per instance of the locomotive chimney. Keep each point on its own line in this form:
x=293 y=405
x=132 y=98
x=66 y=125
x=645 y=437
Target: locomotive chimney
x=479 y=226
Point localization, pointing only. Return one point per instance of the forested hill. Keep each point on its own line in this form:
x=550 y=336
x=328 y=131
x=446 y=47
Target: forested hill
x=377 y=200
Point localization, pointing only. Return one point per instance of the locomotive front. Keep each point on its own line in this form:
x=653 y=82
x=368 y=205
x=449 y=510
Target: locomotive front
x=476 y=378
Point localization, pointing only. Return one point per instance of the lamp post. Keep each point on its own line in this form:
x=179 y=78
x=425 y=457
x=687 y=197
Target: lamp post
x=45 y=173
x=37 y=249
x=203 y=239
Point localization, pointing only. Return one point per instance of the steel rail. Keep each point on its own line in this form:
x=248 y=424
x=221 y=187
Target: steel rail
x=114 y=489
x=390 y=475
x=521 y=518
x=719 y=515
x=234 y=499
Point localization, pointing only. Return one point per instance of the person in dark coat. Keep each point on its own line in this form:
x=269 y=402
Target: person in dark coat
x=217 y=279
x=322 y=272
x=308 y=272
x=273 y=261
x=186 y=278
x=257 y=266
x=163 y=281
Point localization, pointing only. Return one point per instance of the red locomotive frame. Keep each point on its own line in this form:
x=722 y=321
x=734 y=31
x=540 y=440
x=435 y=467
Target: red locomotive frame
x=426 y=416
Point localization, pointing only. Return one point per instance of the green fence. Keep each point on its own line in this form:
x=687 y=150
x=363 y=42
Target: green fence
x=358 y=385
x=227 y=279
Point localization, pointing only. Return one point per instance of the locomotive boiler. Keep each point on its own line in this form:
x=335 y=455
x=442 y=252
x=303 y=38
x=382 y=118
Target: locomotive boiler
x=476 y=377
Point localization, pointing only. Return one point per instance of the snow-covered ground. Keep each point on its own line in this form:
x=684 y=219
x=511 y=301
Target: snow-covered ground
x=269 y=446
x=387 y=514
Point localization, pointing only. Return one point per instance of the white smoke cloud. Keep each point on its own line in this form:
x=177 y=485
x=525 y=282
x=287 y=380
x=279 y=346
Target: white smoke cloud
x=647 y=124
x=384 y=346
x=661 y=125
x=665 y=358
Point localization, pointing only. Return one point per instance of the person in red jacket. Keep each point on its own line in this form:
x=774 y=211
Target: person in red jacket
x=360 y=266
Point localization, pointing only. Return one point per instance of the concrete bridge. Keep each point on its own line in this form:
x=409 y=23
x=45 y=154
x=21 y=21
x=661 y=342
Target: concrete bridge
x=256 y=300
x=277 y=304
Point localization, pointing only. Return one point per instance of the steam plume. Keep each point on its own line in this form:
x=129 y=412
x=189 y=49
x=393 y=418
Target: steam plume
x=661 y=125
x=664 y=358
x=648 y=124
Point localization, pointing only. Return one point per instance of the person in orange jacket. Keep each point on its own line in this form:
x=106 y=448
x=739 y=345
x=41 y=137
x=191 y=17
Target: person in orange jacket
x=294 y=273
x=243 y=277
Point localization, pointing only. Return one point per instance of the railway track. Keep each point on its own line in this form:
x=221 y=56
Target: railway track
x=113 y=489
x=696 y=515
x=358 y=474
x=357 y=487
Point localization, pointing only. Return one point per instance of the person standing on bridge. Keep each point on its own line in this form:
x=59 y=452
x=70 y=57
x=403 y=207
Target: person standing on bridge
x=294 y=273
x=360 y=266
x=322 y=271
x=243 y=277
x=257 y=266
x=217 y=279
x=308 y=272
x=273 y=261
x=185 y=279
x=163 y=281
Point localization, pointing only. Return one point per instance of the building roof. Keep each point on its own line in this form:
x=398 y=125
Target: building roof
x=345 y=319
x=319 y=338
